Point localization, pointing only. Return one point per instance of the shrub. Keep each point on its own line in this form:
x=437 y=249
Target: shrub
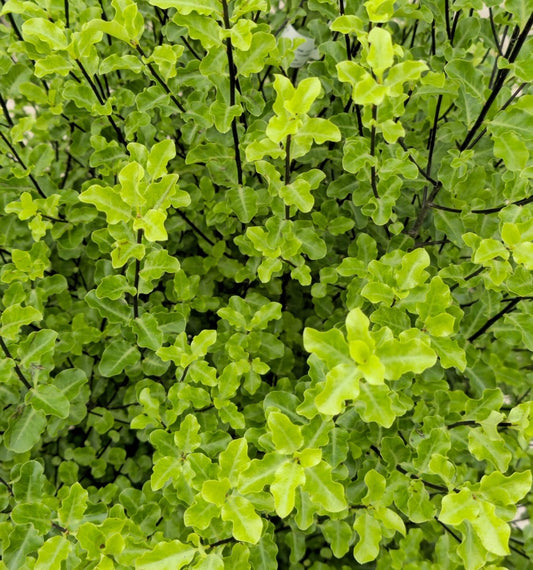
x=266 y=284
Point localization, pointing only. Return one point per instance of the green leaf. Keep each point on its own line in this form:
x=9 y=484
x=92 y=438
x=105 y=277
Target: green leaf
x=107 y=200
x=512 y=150
x=36 y=514
x=286 y=436
x=37 y=344
x=24 y=430
x=379 y=10
x=147 y=330
x=286 y=480
x=491 y=530
x=369 y=531
x=160 y=155
x=504 y=490
x=329 y=346
x=173 y=554
x=52 y=553
x=485 y=447
x=342 y=383
x=73 y=507
x=412 y=271
x=165 y=469
x=374 y=404
x=400 y=357
x=324 y=492
x=185 y=7
x=47 y=399
x=458 y=507
x=131 y=189
x=381 y=53
x=304 y=96
x=339 y=536
x=15 y=317
x=366 y=91
x=117 y=356
x=247 y=524
x=22 y=540
x=234 y=459
x=36 y=30
x=243 y=201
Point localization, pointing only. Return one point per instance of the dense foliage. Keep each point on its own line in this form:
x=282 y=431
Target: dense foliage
x=266 y=302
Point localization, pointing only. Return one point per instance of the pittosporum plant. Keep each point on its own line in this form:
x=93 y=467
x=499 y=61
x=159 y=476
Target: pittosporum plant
x=266 y=284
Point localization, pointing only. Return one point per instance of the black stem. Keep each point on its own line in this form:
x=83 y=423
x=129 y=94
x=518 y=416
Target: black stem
x=287 y=178
x=232 y=89
x=136 y=280
x=67 y=16
x=447 y=17
x=448 y=530
x=5 y=111
x=504 y=106
x=118 y=132
x=373 y=177
x=507 y=309
x=159 y=79
x=18 y=371
x=500 y=79
x=21 y=162
x=190 y=48
x=494 y=33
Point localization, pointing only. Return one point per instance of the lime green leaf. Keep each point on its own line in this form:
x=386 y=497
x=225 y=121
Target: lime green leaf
x=160 y=154
x=400 y=357
x=234 y=459
x=247 y=524
x=298 y=194
x=381 y=53
x=287 y=437
x=412 y=271
x=458 y=507
x=165 y=469
x=287 y=478
x=504 y=490
x=304 y=96
x=374 y=404
x=107 y=200
x=485 y=447
x=260 y=472
x=324 y=492
x=366 y=91
x=329 y=346
x=243 y=201
x=41 y=30
x=73 y=507
x=380 y=10
x=339 y=536
x=369 y=531
x=173 y=554
x=52 y=553
x=492 y=531
x=185 y=7
x=215 y=491
x=15 y=317
x=342 y=383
